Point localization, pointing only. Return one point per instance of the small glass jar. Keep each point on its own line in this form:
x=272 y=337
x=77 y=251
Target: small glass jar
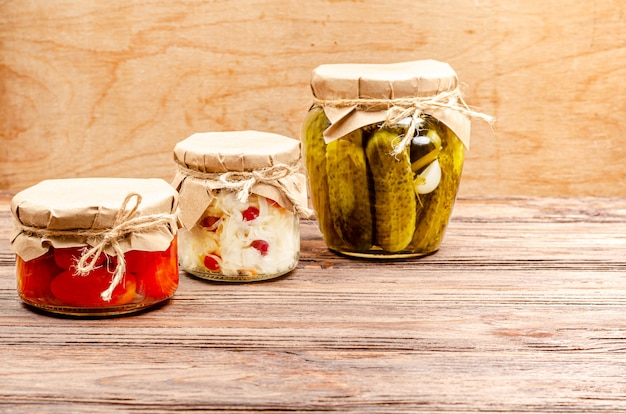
x=384 y=146
x=95 y=246
x=241 y=196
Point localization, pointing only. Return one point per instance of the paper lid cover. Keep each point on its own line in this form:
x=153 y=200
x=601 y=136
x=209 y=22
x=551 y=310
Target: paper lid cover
x=219 y=152
x=354 y=95
x=88 y=204
x=382 y=81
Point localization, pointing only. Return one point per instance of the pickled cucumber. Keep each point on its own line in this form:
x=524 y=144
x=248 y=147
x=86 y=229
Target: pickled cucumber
x=314 y=153
x=395 y=201
x=367 y=199
x=348 y=190
x=433 y=219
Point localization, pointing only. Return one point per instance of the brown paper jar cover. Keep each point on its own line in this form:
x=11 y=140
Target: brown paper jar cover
x=219 y=152
x=89 y=203
x=380 y=82
x=216 y=153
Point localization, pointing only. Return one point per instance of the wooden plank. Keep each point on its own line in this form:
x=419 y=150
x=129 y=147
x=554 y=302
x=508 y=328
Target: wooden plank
x=520 y=311
x=108 y=89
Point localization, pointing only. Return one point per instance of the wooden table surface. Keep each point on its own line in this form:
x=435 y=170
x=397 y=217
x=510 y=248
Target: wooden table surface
x=522 y=310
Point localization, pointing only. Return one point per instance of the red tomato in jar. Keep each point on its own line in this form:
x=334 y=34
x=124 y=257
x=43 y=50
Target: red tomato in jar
x=34 y=277
x=68 y=257
x=156 y=273
x=162 y=284
x=85 y=291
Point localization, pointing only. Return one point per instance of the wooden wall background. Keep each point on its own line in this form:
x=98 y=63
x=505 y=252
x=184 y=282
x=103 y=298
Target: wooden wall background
x=106 y=88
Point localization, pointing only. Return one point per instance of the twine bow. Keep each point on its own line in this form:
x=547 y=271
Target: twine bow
x=243 y=181
x=123 y=224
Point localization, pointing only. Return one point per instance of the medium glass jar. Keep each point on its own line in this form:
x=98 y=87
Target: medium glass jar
x=384 y=146
x=241 y=194
x=96 y=246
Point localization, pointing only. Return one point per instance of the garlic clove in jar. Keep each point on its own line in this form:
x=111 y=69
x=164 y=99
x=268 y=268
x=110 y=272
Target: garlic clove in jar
x=429 y=179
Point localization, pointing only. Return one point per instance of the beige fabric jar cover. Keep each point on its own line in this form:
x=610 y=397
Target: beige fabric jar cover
x=248 y=162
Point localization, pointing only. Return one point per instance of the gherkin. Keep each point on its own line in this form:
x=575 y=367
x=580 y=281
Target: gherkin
x=348 y=189
x=395 y=202
x=434 y=217
x=314 y=153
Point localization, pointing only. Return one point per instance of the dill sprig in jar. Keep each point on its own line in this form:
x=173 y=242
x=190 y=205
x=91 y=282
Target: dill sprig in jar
x=242 y=194
x=384 y=146
x=95 y=246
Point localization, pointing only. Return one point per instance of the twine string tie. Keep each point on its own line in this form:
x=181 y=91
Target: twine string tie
x=409 y=108
x=123 y=225
x=243 y=181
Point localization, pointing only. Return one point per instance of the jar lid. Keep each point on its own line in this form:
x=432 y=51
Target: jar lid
x=382 y=81
x=220 y=152
x=248 y=162
x=354 y=95
x=62 y=213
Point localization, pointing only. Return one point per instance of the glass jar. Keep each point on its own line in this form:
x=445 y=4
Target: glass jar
x=384 y=146
x=95 y=246
x=242 y=194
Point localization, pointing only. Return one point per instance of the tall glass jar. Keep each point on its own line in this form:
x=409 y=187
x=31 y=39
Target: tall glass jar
x=384 y=146
x=242 y=194
x=95 y=246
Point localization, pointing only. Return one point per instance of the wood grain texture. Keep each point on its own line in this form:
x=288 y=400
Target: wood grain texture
x=107 y=89
x=522 y=310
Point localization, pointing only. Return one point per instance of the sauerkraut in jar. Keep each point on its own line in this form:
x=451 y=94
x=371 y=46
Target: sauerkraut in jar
x=241 y=240
x=242 y=196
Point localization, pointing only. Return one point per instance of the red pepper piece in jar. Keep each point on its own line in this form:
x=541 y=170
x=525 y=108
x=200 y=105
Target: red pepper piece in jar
x=209 y=222
x=250 y=213
x=274 y=203
x=85 y=291
x=211 y=262
x=261 y=245
x=34 y=277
